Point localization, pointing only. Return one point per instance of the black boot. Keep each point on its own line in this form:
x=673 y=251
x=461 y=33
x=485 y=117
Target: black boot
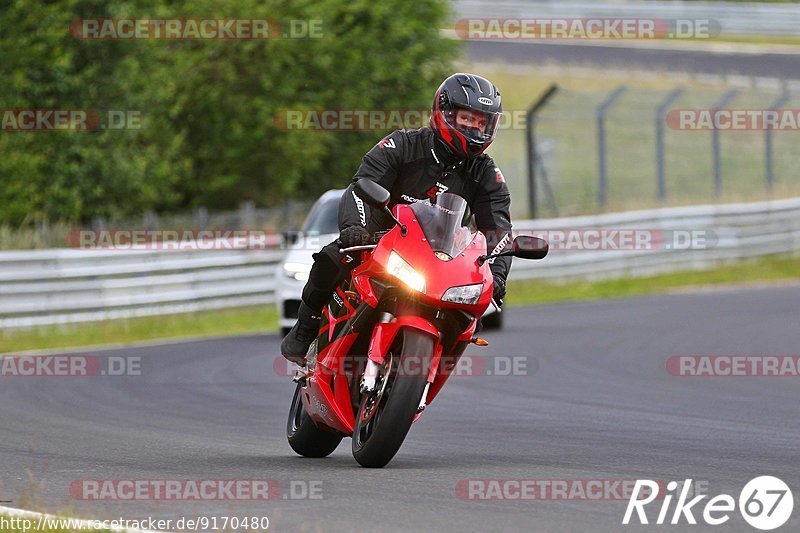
x=295 y=345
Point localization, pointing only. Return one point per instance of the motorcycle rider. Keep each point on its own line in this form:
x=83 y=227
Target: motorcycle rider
x=417 y=165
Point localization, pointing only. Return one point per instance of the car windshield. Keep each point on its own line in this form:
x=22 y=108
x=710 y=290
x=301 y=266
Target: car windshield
x=442 y=223
x=323 y=218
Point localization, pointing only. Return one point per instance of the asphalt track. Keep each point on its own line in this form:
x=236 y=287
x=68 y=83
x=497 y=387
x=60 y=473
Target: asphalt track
x=598 y=55
x=596 y=403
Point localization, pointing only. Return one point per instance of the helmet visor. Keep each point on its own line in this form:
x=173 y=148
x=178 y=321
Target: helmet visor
x=477 y=126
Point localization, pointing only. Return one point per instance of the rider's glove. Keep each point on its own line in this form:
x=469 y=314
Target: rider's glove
x=354 y=236
x=499 y=292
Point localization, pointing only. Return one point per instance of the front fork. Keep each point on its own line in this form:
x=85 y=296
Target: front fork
x=382 y=339
x=370 y=378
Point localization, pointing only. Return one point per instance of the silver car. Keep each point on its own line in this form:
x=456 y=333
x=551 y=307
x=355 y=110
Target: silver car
x=320 y=228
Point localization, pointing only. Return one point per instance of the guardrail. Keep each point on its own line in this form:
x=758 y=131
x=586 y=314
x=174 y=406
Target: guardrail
x=735 y=18
x=59 y=286
x=730 y=232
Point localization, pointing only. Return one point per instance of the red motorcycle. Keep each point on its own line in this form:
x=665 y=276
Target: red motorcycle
x=394 y=330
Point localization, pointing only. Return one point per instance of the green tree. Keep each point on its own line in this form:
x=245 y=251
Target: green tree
x=208 y=135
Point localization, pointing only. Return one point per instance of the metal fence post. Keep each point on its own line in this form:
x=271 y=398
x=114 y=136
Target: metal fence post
x=600 y=113
x=661 y=116
x=530 y=126
x=247 y=215
x=200 y=217
x=768 y=169
x=715 y=141
x=150 y=220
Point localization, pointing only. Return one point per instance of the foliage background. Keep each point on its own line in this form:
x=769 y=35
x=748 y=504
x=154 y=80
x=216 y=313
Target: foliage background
x=207 y=107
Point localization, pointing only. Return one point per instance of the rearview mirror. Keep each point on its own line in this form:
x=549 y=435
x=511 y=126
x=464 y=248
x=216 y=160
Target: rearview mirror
x=372 y=193
x=528 y=247
x=524 y=247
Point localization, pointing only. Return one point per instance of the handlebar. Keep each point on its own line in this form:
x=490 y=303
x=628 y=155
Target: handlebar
x=357 y=248
x=376 y=237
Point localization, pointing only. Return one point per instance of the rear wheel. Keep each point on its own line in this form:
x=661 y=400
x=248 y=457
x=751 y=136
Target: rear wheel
x=385 y=416
x=303 y=434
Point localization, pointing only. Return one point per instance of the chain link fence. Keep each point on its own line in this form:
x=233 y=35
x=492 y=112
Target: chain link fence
x=625 y=148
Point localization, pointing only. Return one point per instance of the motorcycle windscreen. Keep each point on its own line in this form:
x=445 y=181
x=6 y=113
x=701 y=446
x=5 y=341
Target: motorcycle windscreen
x=442 y=223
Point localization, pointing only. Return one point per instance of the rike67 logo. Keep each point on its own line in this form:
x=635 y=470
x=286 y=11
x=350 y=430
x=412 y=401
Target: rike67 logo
x=765 y=503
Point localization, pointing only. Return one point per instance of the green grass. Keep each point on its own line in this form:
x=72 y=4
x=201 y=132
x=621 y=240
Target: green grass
x=770 y=268
x=757 y=39
x=264 y=318
x=24 y=238
x=218 y=322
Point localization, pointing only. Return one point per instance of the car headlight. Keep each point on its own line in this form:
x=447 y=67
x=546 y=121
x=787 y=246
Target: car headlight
x=399 y=268
x=298 y=271
x=464 y=294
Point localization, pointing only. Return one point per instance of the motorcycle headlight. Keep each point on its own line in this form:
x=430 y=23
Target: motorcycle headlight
x=399 y=268
x=463 y=294
x=298 y=271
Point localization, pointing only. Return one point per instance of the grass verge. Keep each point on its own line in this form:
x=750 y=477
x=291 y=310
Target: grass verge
x=766 y=269
x=264 y=318
x=218 y=322
x=758 y=39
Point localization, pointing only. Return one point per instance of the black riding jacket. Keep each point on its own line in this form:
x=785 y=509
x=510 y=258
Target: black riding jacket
x=413 y=166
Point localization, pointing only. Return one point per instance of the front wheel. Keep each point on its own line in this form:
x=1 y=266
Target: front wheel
x=385 y=416
x=303 y=434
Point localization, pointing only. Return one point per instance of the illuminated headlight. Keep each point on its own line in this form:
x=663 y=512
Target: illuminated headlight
x=298 y=271
x=398 y=268
x=465 y=294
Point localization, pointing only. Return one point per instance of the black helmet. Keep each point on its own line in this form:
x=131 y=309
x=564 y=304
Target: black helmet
x=467 y=92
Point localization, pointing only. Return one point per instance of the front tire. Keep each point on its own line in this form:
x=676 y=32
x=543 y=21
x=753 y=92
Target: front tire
x=385 y=416
x=304 y=436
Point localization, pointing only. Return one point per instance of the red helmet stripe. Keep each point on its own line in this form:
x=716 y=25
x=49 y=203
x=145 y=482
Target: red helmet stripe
x=461 y=138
